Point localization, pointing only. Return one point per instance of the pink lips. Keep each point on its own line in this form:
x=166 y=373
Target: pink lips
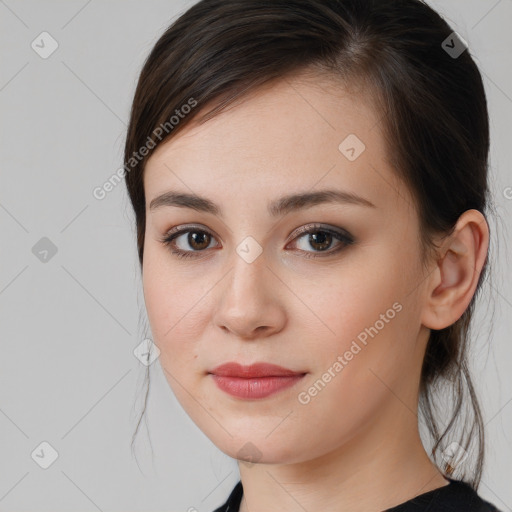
x=258 y=380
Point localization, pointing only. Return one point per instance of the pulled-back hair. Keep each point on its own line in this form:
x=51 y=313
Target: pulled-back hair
x=432 y=110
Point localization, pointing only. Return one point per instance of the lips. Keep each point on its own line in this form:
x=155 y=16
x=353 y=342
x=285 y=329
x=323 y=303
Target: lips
x=258 y=380
x=253 y=371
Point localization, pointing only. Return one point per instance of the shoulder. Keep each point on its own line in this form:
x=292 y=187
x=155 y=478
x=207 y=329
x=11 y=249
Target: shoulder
x=460 y=494
x=457 y=496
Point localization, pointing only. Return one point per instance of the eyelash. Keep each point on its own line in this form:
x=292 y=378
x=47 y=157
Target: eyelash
x=342 y=236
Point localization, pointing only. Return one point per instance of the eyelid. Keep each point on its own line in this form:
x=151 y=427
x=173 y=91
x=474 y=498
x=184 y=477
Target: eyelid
x=183 y=228
x=315 y=226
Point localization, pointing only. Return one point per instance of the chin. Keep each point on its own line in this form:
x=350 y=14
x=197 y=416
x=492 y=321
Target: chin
x=258 y=449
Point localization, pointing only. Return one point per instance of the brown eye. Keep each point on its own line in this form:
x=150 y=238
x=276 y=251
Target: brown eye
x=191 y=242
x=187 y=243
x=321 y=239
x=198 y=240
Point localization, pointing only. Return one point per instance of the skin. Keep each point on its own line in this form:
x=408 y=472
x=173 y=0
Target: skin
x=347 y=448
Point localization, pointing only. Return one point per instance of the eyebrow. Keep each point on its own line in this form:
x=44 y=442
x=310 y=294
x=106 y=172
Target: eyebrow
x=276 y=208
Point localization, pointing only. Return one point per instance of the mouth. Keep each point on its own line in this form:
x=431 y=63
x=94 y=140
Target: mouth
x=256 y=381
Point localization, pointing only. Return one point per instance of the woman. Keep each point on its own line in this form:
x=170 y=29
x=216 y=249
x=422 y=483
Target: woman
x=309 y=181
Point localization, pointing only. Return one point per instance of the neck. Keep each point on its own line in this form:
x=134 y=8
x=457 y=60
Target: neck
x=384 y=465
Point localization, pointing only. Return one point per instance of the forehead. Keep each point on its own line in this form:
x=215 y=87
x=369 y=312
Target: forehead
x=293 y=134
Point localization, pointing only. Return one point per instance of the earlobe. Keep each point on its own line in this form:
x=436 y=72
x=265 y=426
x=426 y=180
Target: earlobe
x=458 y=269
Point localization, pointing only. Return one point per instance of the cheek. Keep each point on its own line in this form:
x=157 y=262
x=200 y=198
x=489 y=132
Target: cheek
x=353 y=299
x=371 y=353
x=370 y=319
x=173 y=307
x=173 y=304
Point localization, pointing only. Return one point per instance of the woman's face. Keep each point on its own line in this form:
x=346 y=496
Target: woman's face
x=339 y=303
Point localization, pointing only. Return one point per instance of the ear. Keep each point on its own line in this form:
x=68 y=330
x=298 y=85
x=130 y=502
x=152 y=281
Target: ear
x=453 y=282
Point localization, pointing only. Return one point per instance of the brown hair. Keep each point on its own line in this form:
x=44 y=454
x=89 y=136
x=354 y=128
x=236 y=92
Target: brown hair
x=434 y=118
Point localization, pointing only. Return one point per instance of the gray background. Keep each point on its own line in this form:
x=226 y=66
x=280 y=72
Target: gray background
x=68 y=375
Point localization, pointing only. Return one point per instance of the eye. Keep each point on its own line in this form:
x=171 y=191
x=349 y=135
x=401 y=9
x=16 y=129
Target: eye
x=197 y=239
x=319 y=238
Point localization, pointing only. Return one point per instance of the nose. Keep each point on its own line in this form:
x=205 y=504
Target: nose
x=250 y=300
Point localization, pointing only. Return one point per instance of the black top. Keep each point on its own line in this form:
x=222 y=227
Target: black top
x=457 y=496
